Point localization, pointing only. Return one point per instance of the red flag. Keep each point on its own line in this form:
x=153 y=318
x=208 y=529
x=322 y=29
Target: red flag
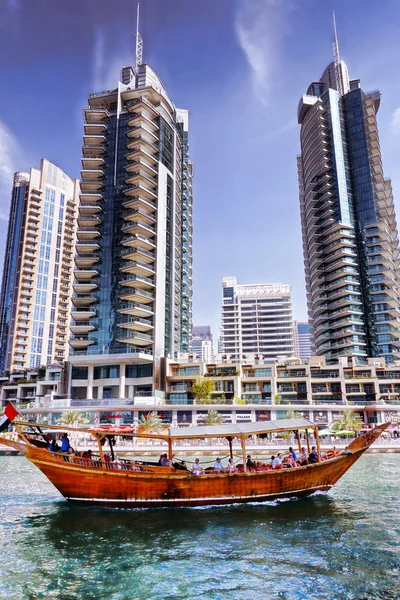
x=10 y=412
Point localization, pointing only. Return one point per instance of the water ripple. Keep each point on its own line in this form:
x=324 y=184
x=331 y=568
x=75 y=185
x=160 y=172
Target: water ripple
x=344 y=545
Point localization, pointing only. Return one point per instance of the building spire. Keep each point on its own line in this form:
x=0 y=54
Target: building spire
x=336 y=58
x=139 y=43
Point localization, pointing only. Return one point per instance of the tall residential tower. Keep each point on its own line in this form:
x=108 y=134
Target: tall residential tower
x=350 y=240
x=133 y=274
x=256 y=319
x=36 y=290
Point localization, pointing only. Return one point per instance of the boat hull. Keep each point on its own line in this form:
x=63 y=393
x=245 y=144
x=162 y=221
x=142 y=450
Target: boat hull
x=94 y=482
x=123 y=488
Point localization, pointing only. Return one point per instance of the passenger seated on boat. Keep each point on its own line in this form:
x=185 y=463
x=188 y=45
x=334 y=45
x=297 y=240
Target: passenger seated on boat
x=313 y=456
x=250 y=464
x=218 y=466
x=54 y=447
x=288 y=461
x=160 y=459
x=292 y=453
x=302 y=459
x=164 y=461
x=230 y=467
x=87 y=454
x=276 y=462
x=65 y=445
x=197 y=469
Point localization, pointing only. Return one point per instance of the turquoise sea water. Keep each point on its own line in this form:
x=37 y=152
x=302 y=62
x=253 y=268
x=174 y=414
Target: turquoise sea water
x=345 y=544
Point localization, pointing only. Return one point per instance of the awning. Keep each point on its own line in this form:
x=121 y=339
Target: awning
x=239 y=429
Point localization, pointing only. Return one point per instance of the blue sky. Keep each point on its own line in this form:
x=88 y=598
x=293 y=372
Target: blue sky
x=240 y=67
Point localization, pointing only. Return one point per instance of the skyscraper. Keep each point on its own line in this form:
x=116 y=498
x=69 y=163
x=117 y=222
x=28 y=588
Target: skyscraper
x=133 y=274
x=256 y=319
x=350 y=241
x=301 y=334
x=202 y=342
x=36 y=291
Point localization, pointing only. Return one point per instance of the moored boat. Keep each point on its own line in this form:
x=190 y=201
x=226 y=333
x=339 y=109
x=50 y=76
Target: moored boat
x=107 y=479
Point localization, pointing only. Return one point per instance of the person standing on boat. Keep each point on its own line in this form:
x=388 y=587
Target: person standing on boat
x=65 y=445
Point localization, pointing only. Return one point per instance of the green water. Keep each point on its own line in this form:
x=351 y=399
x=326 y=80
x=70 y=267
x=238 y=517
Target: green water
x=342 y=545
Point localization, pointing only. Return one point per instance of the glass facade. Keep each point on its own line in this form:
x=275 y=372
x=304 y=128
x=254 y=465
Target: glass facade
x=130 y=291
x=349 y=229
x=11 y=270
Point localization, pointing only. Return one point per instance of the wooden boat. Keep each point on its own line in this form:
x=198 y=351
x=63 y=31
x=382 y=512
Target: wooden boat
x=105 y=479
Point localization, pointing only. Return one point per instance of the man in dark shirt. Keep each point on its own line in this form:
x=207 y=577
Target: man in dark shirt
x=250 y=464
x=313 y=456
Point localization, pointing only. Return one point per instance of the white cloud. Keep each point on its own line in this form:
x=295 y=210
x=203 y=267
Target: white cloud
x=109 y=56
x=395 y=123
x=260 y=26
x=10 y=161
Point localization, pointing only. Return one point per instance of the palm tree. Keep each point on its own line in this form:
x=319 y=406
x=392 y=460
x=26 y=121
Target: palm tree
x=69 y=417
x=212 y=418
x=293 y=414
x=152 y=423
x=349 y=421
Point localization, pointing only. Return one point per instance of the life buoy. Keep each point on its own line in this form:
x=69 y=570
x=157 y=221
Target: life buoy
x=330 y=453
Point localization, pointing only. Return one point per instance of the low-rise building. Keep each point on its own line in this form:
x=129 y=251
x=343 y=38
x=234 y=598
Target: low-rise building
x=242 y=392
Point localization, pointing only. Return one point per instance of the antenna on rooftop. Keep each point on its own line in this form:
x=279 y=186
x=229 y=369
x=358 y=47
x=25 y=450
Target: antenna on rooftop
x=336 y=58
x=139 y=44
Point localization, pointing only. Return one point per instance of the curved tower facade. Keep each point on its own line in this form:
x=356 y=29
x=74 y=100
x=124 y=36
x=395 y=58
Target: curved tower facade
x=133 y=274
x=350 y=241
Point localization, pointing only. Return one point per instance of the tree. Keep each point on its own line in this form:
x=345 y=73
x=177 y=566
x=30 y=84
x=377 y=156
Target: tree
x=349 y=421
x=293 y=414
x=212 y=418
x=152 y=423
x=70 y=416
x=202 y=388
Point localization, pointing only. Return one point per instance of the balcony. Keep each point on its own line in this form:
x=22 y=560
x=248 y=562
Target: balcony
x=86 y=260
x=137 y=324
x=89 y=209
x=95 y=130
x=137 y=309
x=87 y=273
x=80 y=301
x=138 y=268
x=139 y=254
x=140 y=202
x=139 y=339
x=139 y=241
x=87 y=233
x=80 y=342
x=141 y=189
x=82 y=327
x=137 y=281
x=144 y=216
x=137 y=295
x=139 y=227
x=83 y=314
x=90 y=198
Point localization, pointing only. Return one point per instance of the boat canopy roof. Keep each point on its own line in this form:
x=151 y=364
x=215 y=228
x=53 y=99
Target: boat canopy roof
x=184 y=433
x=239 y=429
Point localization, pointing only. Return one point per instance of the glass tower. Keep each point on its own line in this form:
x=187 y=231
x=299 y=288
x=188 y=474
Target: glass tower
x=133 y=273
x=350 y=240
x=36 y=291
